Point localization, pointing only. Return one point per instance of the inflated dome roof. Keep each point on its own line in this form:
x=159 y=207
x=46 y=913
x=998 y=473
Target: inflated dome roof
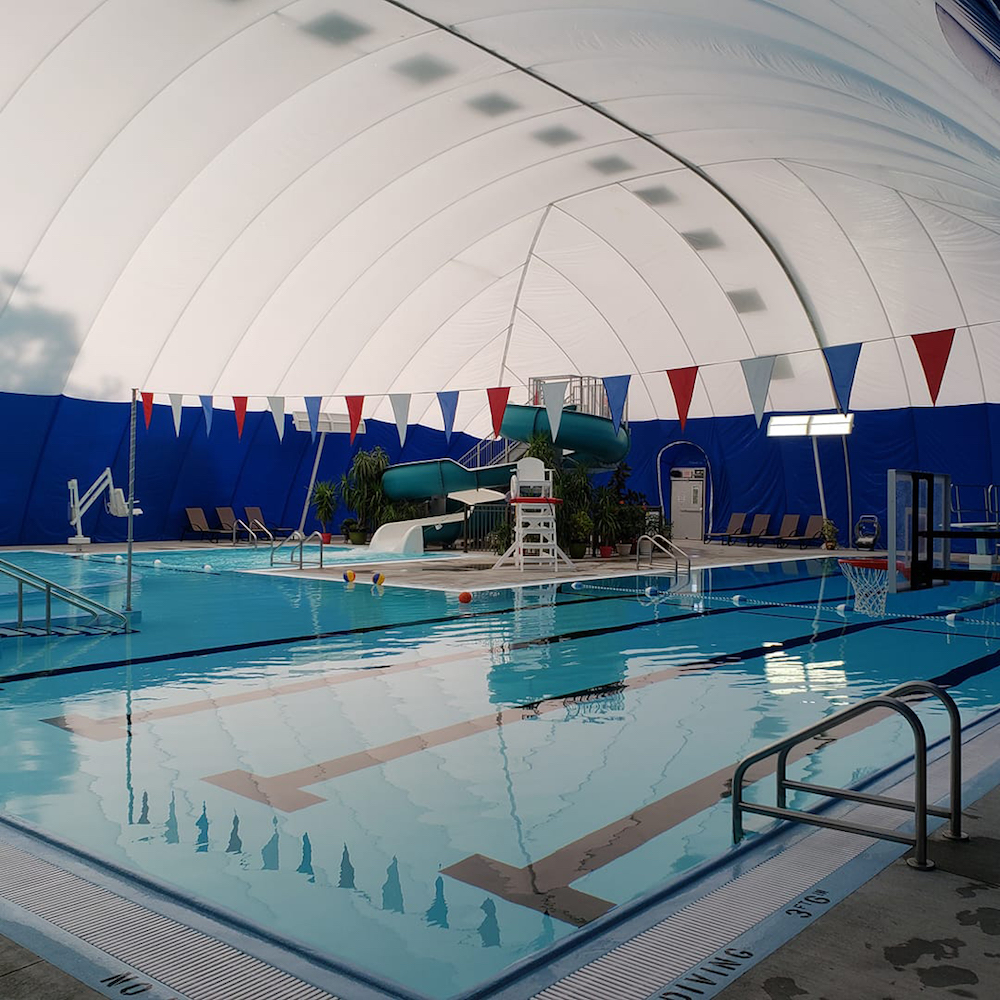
x=363 y=197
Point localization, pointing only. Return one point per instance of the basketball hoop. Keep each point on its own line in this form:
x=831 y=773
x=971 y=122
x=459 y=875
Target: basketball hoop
x=870 y=580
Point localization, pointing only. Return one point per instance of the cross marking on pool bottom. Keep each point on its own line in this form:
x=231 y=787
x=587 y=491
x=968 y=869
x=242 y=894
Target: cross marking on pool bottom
x=545 y=884
x=284 y=791
x=115 y=727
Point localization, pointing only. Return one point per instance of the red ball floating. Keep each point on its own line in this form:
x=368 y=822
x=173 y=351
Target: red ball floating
x=465 y=597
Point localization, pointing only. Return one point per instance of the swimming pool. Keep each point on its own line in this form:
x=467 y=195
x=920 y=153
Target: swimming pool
x=224 y=558
x=405 y=784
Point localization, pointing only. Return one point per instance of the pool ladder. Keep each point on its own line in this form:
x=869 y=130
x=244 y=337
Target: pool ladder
x=892 y=701
x=299 y=542
x=55 y=591
x=660 y=543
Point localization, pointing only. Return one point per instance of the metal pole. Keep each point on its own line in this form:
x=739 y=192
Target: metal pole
x=131 y=503
x=850 y=499
x=819 y=479
x=312 y=481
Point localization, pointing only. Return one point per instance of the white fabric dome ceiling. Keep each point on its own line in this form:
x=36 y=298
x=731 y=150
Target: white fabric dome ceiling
x=349 y=196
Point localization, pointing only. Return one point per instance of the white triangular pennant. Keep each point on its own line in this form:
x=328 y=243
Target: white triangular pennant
x=177 y=406
x=277 y=404
x=401 y=411
x=757 y=373
x=553 y=396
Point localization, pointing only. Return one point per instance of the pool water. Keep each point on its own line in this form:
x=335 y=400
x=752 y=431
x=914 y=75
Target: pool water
x=405 y=784
x=223 y=558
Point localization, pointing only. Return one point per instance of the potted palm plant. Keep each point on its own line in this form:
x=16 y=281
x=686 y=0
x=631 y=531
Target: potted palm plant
x=361 y=490
x=581 y=530
x=324 y=501
x=606 y=520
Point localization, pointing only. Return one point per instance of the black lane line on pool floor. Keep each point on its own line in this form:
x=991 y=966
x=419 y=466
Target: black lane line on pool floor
x=236 y=647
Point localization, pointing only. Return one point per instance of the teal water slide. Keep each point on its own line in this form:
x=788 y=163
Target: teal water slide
x=592 y=439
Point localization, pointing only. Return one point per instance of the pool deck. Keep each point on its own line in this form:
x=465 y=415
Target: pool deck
x=900 y=935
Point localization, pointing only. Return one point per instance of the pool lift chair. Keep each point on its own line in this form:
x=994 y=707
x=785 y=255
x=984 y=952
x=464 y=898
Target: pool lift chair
x=116 y=504
x=866 y=532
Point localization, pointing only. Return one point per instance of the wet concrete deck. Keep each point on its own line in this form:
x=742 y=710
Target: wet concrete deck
x=903 y=934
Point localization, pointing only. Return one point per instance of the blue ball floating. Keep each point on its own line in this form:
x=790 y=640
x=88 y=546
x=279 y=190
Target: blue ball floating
x=652 y=592
x=576 y=585
x=378 y=579
x=349 y=576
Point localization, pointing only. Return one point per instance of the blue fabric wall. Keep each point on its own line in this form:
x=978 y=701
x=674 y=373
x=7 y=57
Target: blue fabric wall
x=51 y=439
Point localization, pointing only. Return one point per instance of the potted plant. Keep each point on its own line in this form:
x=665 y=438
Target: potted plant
x=324 y=501
x=606 y=520
x=828 y=532
x=581 y=530
x=361 y=491
x=348 y=527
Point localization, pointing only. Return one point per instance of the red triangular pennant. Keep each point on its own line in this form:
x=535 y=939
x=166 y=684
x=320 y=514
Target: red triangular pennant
x=354 y=404
x=933 y=349
x=682 y=382
x=147 y=407
x=240 y=403
x=498 y=404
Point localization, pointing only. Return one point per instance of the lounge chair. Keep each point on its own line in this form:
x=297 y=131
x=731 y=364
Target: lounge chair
x=255 y=518
x=735 y=525
x=757 y=528
x=789 y=526
x=198 y=526
x=230 y=523
x=813 y=532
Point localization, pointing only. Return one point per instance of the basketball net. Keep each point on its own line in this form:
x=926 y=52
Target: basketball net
x=870 y=580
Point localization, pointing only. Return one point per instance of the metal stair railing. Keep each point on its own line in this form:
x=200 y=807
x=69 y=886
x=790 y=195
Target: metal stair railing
x=297 y=540
x=259 y=528
x=666 y=546
x=239 y=525
x=890 y=700
x=499 y=451
x=60 y=593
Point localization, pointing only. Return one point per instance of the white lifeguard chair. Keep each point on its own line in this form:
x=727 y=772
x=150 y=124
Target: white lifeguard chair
x=535 y=542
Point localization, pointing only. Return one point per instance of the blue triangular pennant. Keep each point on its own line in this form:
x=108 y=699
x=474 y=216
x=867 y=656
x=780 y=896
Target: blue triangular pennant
x=448 y=402
x=843 y=363
x=312 y=411
x=616 y=388
x=206 y=405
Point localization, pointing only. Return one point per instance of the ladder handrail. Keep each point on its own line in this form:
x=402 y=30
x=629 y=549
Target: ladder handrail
x=262 y=527
x=295 y=536
x=251 y=535
x=302 y=542
x=891 y=700
x=52 y=589
x=666 y=546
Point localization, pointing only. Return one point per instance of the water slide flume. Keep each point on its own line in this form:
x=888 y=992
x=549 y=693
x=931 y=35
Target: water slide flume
x=592 y=439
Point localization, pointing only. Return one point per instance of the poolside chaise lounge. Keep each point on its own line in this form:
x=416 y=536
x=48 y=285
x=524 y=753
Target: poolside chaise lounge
x=789 y=525
x=198 y=526
x=757 y=528
x=735 y=525
x=255 y=518
x=813 y=532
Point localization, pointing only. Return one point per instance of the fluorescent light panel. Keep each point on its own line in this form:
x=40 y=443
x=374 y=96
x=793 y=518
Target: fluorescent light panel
x=330 y=423
x=811 y=425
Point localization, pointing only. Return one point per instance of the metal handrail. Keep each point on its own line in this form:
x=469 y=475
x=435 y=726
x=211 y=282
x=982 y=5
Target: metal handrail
x=263 y=528
x=919 y=806
x=666 y=546
x=251 y=535
x=302 y=542
x=58 y=591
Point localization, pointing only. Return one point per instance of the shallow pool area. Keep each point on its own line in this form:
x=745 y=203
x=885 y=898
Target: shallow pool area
x=427 y=792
